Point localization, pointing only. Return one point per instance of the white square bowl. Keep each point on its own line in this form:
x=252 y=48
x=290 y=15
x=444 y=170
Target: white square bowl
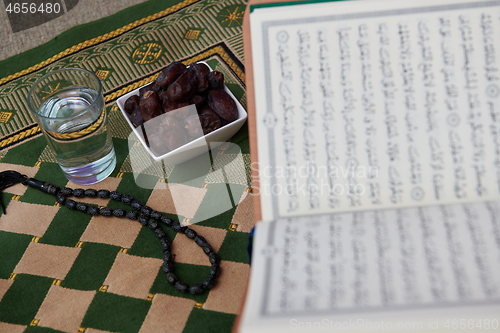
x=195 y=147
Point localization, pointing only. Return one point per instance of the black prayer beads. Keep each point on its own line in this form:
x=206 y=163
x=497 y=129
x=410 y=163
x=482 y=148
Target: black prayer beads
x=152 y=219
x=139 y=212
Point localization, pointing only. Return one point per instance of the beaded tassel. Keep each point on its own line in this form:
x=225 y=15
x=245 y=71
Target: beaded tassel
x=7 y=179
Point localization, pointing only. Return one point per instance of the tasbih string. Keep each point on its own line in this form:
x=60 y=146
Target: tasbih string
x=145 y=215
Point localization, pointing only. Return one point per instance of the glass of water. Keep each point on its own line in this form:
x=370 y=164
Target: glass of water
x=69 y=107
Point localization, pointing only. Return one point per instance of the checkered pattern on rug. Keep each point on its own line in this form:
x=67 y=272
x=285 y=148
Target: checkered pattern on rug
x=70 y=271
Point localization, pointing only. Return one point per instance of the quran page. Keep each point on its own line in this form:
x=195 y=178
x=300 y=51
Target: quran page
x=364 y=105
x=420 y=269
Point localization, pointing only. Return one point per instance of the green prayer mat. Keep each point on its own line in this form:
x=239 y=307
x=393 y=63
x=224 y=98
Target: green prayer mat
x=66 y=271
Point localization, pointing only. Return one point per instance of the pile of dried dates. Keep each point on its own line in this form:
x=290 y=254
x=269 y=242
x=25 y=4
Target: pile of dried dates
x=167 y=100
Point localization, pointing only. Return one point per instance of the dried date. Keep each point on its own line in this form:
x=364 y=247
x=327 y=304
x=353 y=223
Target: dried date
x=201 y=71
x=150 y=105
x=193 y=126
x=209 y=120
x=169 y=74
x=157 y=145
x=136 y=117
x=169 y=105
x=131 y=104
x=172 y=133
x=184 y=87
x=220 y=101
x=216 y=80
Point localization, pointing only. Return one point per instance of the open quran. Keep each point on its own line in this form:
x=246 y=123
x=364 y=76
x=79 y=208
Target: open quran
x=375 y=137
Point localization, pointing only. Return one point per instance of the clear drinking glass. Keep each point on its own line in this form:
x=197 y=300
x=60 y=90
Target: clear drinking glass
x=69 y=107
